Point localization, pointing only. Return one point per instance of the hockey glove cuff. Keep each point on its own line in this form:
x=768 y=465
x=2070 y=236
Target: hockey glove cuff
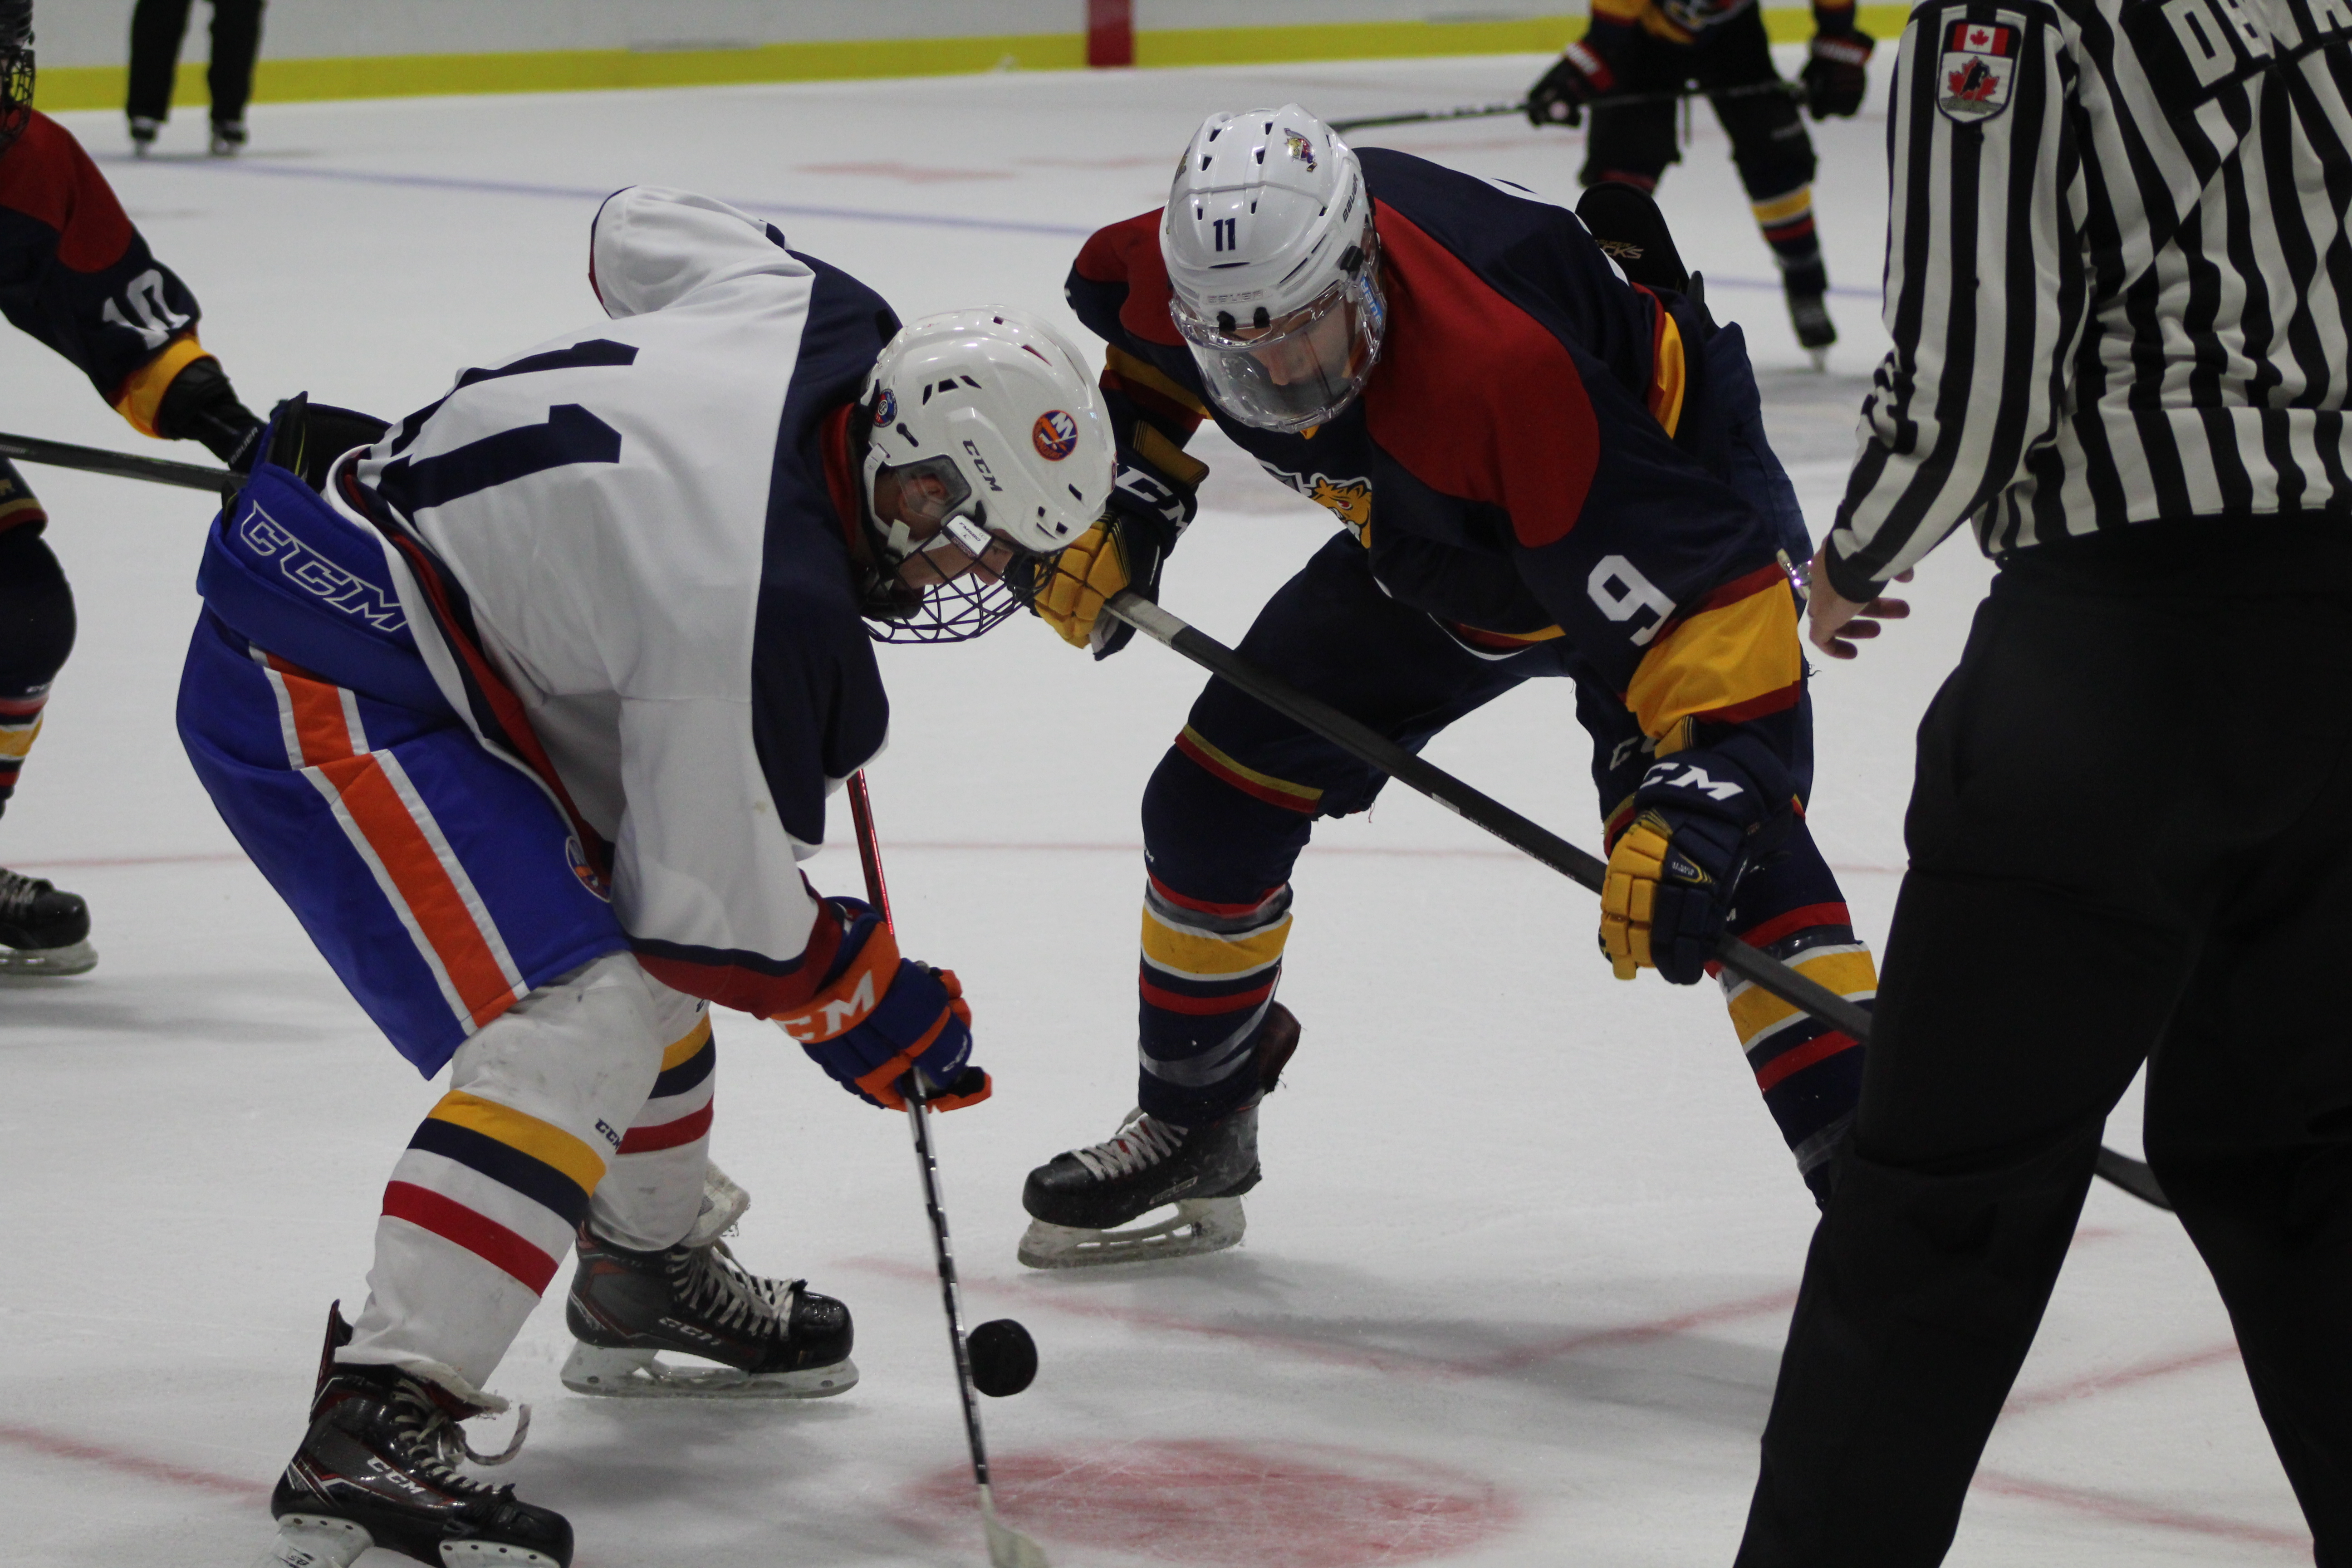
x=880 y=1017
x=1836 y=76
x=1701 y=816
x=200 y=405
x=1127 y=549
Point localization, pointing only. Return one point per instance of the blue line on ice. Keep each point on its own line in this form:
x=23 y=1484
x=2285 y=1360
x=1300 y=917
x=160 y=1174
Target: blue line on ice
x=773 y=209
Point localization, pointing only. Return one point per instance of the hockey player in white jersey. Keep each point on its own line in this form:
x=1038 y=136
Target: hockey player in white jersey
x=530 y=710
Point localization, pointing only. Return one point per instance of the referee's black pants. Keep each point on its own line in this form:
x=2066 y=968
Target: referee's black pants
x=2131 y=836
x=156 y=30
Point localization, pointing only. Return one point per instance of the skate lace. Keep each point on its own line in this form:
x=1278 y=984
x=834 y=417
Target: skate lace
x=712 y=1283
x=1141 y=1142
x=438 y=1443
x=17 y=894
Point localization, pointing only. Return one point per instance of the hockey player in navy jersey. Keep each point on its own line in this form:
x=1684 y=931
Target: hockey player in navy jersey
x=530 y=710
x=1542 y=469
x=75 y=274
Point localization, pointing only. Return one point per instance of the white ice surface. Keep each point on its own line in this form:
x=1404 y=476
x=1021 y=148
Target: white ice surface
x=1516 y=1279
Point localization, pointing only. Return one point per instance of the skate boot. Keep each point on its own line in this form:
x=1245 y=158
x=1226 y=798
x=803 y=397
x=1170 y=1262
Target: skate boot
x=42 y=930
x=227 y=138
x=1809 y=311
x=142 y=134
x=1076 y=1201
x=378 y=1468
x=773 y=1339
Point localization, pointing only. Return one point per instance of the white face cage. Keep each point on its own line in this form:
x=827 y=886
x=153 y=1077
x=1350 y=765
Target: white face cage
x=1299 y=370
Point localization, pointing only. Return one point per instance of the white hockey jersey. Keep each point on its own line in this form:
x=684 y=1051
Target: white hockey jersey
x=627 y=554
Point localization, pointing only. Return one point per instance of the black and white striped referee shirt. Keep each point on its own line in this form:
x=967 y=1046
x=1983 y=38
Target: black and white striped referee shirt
x=2118 y=275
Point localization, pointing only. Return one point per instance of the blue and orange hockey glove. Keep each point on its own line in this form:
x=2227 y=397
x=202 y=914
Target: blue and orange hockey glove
x=1700 y=818
x=880 y=1017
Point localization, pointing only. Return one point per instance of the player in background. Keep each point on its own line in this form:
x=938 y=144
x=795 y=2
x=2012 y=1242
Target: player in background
x=1666 y=45
x=1543 y=470
x=75 y=274
x=530 y=710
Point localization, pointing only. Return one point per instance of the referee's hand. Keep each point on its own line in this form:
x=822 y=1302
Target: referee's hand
x=1835 y=624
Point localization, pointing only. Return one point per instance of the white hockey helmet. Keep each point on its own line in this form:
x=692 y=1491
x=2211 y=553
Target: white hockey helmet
x=1270 y=245
x=998 y=408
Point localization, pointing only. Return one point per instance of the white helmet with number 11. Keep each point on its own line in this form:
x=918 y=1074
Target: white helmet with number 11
x=1270 y=249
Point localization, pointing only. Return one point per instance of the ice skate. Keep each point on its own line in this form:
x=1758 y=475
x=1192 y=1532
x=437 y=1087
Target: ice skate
x=1078 y=1201
x=227 y=139
x=42 y=930
x=1810 y=314
x=773 y=1339
x=142 y=134
x=378 y=1468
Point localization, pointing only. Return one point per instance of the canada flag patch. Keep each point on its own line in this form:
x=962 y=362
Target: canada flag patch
x=1979 y=68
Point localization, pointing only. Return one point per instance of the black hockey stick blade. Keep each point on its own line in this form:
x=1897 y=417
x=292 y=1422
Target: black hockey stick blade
x=122 y=465
x=1611 y=100
x=1531 y=838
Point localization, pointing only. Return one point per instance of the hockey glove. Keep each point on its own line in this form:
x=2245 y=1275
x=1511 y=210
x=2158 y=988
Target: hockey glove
x=1835 y=79
x=1581 y=74
x=1701 y=816
x=881 y=1016
x=200 y=405
x=1148 y=512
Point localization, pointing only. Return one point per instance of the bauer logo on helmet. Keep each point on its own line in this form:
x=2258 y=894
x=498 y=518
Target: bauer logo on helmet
x=1056 y=434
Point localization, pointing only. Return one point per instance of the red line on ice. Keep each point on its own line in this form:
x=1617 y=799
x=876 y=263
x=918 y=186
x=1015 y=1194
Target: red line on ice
x=57 y=1445
x=2097 y=1383
x=2125 y=1510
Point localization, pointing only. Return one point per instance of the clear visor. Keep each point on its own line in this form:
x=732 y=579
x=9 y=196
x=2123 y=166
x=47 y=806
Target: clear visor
x=1296 y=370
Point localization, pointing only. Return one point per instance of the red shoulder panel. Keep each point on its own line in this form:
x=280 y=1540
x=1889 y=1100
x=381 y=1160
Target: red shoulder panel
x=47 y=176
x=1473 y=395
x=1128 y=252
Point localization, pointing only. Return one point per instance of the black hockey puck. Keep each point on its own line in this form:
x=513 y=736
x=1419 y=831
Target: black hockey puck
x=1003 y=1357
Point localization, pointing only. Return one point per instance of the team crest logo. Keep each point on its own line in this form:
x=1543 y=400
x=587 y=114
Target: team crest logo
x=589 y=877
x=1055 y=434
x=1300 y=147
x=1350 y=500
x=1978 y=66
x=885 y=407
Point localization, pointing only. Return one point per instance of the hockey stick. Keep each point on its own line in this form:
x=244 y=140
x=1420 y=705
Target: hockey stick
x=122 y=465
x=1611 y=100
x=1007 y=1547
x=1361 y=741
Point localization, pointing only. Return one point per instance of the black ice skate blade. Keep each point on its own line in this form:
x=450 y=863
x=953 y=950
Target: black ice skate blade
x=642 y=1375
x=1199 y=1225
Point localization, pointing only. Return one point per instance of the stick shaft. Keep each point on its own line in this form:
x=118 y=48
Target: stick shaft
x=1531 y=838
x=1610 y=100
x=122 y=465
x=918 y=1117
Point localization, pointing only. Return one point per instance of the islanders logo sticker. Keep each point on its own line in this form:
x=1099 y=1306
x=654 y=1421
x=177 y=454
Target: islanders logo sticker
x=1055 y=434
x=885 y=407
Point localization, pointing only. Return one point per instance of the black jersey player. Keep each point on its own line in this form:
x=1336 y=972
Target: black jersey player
x=1543 y=469
x=75 y=273
x=1657 y=47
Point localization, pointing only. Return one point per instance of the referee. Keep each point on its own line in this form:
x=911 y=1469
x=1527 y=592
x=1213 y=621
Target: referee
x=2117 y=279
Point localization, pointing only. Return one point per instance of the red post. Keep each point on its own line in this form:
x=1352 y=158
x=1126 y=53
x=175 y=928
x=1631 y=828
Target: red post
x=1111 y=32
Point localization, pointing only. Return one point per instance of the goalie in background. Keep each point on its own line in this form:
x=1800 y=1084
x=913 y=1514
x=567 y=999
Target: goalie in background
x=1664 y=46
x=533 y=744
x=80 y=278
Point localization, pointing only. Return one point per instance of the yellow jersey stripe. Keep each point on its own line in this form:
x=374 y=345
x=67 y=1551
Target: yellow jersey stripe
x=682 y=1051
x=1844 y=970
x=1187 y=951
x=1718 y=658
x=144 y=389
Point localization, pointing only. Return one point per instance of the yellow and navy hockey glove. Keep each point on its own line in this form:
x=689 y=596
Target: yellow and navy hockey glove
x=1701 y=816
x=1150 y=510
